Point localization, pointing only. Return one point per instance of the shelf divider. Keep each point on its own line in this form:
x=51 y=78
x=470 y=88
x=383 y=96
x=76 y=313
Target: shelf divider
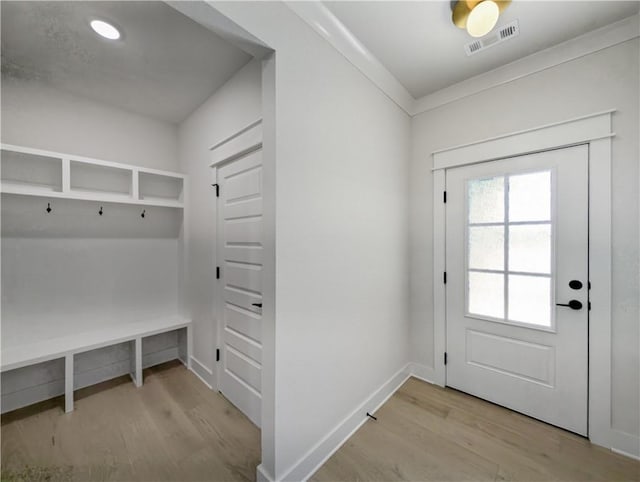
x=135 y=184
x=67 y=191
x=66 y=175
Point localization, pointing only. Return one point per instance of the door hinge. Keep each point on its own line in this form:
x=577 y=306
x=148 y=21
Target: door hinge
x=445 y=357
x=217 y=272
x=444 y=277
x=589 y=306
x=217 y=354
x=217 y=186
x=444 y=196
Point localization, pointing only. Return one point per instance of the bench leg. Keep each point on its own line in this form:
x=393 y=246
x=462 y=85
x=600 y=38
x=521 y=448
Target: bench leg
x=189 y=346
x=68 y=383
x=138 y=351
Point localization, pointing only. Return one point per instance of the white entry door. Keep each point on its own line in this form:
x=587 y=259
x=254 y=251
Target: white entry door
x=240 y=272
x=516 y=256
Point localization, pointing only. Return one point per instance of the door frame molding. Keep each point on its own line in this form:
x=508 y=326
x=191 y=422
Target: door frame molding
x=595 y=131
x=241 y=143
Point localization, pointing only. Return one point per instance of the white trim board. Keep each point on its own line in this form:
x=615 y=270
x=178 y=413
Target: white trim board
x=315 y=457
x=331 y=29
x=579 y=130
x=262 y=475
x=588 y=43
x=200 y=370
x=206 y=14
x=422 y=372
x=625 y=444
x=239 y=144
x=594 y=130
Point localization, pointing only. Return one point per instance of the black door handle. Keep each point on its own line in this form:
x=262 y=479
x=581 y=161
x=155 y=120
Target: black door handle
x=259 y=305
x=573 y=304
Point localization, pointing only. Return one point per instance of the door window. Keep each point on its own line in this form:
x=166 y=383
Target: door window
x=509 y=248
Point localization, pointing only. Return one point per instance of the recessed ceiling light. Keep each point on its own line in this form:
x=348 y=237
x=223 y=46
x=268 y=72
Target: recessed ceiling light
x=105 y=29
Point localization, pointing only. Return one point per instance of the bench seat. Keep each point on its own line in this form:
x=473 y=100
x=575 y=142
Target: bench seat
x=22 y=355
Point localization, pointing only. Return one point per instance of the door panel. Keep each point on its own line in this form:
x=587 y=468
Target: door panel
x=517 y=358
x=243 y=368
x=516 y=235
x=243 y=322
x=243 y=232
x=240 y=258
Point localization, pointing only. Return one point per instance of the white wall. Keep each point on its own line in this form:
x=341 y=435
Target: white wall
x=73 y=270
x=72 y=261
x=36 y=115
x=231 y=108
x=341 y=259
x=604 y=80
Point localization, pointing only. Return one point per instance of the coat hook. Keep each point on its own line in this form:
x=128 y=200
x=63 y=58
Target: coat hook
x=143 y=212
x=100 y=212
x=49 y=208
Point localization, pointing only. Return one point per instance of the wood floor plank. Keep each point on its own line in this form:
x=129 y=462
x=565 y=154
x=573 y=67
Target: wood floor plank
x=428 y=433
x=173 y=428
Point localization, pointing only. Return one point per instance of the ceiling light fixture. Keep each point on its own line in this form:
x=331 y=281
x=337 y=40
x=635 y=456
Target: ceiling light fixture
x=478 y=17
x=105 y=29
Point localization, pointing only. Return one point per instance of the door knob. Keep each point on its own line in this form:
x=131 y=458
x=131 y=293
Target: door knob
x=573 y=304
x=259 y=305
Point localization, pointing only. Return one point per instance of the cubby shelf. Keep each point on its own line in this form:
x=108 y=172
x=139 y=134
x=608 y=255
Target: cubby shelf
x=36 y=172
x=67 y=346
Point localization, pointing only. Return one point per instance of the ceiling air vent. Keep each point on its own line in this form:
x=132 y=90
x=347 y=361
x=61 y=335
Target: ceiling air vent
x=500 y=35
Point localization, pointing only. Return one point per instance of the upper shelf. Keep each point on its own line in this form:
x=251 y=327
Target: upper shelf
x=36 y=172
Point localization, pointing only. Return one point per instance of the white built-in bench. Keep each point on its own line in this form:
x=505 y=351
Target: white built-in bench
x=19 y=356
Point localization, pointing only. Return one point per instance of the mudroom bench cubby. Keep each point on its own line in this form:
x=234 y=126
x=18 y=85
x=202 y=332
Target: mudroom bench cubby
x=92 y=273
x=36 y=172
x=67 y=347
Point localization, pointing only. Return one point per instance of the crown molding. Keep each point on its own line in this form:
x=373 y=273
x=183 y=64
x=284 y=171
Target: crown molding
x=208 y=15
x=591 y=42
x=329 y=27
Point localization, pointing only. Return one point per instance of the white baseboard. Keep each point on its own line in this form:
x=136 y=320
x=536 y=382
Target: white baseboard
x=318 y=455
x=625 y=444
x=422 y=372
x=262 y=475
x=202 y=372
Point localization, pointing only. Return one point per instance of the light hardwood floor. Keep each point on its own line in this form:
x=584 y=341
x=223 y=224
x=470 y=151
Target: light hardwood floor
x=172 y=428
x=426 y=433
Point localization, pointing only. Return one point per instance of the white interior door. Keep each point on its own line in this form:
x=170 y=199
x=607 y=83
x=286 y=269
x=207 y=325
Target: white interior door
x=516 y=250
x=240 y=263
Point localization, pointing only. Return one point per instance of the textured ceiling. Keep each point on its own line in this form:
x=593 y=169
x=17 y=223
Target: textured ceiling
x=419 y=45
x=164 y=67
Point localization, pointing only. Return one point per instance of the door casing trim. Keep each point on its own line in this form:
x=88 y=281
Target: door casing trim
x=594 y=130
x=241 y=143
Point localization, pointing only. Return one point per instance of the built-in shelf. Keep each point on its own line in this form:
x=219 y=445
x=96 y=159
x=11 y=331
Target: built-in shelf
x=67 y=346
x=35 y=172
x=159 y=189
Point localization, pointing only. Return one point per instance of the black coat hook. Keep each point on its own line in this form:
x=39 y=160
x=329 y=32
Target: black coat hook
x=143 y=213
x=49 y=208
x=100 y=212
